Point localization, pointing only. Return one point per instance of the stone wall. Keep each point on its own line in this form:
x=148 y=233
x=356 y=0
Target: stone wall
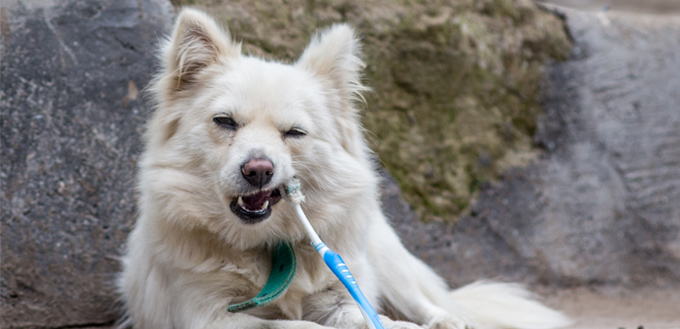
x=71 y=119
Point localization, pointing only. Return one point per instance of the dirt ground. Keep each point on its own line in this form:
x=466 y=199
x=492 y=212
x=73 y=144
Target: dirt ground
x=601 y=309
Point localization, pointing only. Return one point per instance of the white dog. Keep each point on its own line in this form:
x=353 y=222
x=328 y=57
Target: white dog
x=228 y=131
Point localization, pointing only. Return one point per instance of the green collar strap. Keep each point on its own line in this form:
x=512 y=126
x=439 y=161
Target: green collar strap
x=284 y=265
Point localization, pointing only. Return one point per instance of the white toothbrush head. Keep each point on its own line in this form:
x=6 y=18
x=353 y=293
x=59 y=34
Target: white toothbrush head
x=293 y=191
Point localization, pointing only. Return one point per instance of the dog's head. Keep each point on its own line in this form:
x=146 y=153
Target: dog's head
x=230 y=129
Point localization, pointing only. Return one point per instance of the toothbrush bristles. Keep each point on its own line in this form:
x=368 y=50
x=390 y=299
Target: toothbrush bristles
x=293 y=191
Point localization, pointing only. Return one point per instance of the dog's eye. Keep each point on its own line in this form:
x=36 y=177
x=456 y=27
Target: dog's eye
x=225 y=122
x=295 y=132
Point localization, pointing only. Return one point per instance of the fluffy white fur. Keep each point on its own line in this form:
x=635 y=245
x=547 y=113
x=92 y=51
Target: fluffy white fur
x=189 y=256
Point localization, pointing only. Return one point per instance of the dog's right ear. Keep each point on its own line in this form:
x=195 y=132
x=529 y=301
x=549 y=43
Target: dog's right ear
x=197 y=42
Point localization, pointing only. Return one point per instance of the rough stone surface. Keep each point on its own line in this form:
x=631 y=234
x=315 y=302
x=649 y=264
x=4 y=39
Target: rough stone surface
x=71 y=119
x=600 y=207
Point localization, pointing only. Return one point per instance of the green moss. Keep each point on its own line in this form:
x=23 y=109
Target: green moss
x=456 y=82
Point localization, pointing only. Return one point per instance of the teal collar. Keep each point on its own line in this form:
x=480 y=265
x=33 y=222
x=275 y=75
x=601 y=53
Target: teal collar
x=284 y=265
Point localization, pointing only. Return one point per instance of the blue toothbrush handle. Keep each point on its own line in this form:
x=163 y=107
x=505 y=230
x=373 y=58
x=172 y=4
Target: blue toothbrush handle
x=339 y=268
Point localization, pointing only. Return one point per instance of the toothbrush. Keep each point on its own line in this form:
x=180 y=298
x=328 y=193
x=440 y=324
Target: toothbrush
x=294 y=195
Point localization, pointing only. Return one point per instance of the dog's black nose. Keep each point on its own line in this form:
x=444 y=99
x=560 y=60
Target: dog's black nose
x=258 y=172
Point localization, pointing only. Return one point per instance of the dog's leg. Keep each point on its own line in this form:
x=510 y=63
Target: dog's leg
x=164 y=296
x=408 y=285
x=335 y=308
x=205 y=314
x=244 y=321
x=203 y=311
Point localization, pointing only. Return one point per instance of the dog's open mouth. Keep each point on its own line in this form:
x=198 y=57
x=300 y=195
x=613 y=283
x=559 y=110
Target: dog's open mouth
x=256 y=207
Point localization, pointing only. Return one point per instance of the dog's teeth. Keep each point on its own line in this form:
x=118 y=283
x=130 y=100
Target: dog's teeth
x=243 y=206
x=265 y=205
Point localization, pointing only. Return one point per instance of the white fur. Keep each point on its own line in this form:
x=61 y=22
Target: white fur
x=189 y=256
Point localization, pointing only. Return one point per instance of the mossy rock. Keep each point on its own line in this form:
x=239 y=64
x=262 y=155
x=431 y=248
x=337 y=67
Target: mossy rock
x=456 y=83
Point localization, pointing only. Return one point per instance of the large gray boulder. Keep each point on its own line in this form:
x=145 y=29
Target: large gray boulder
x=602 y=204
x=71 y=120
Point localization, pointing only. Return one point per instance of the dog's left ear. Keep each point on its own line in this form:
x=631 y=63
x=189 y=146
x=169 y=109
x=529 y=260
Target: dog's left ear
x=333 y=54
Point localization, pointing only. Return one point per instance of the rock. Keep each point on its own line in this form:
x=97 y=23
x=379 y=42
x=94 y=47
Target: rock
x=456 y=83
x=71 y=120
x=600 y=207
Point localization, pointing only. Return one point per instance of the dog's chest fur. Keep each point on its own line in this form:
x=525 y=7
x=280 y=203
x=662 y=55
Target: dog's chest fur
x=311 y=277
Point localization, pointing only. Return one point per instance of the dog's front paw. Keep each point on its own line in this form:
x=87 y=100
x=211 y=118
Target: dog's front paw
x=449 y=322
x=391 y=324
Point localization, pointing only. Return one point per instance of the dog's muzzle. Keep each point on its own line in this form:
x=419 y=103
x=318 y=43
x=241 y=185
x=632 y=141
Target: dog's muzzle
x=254 y=208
